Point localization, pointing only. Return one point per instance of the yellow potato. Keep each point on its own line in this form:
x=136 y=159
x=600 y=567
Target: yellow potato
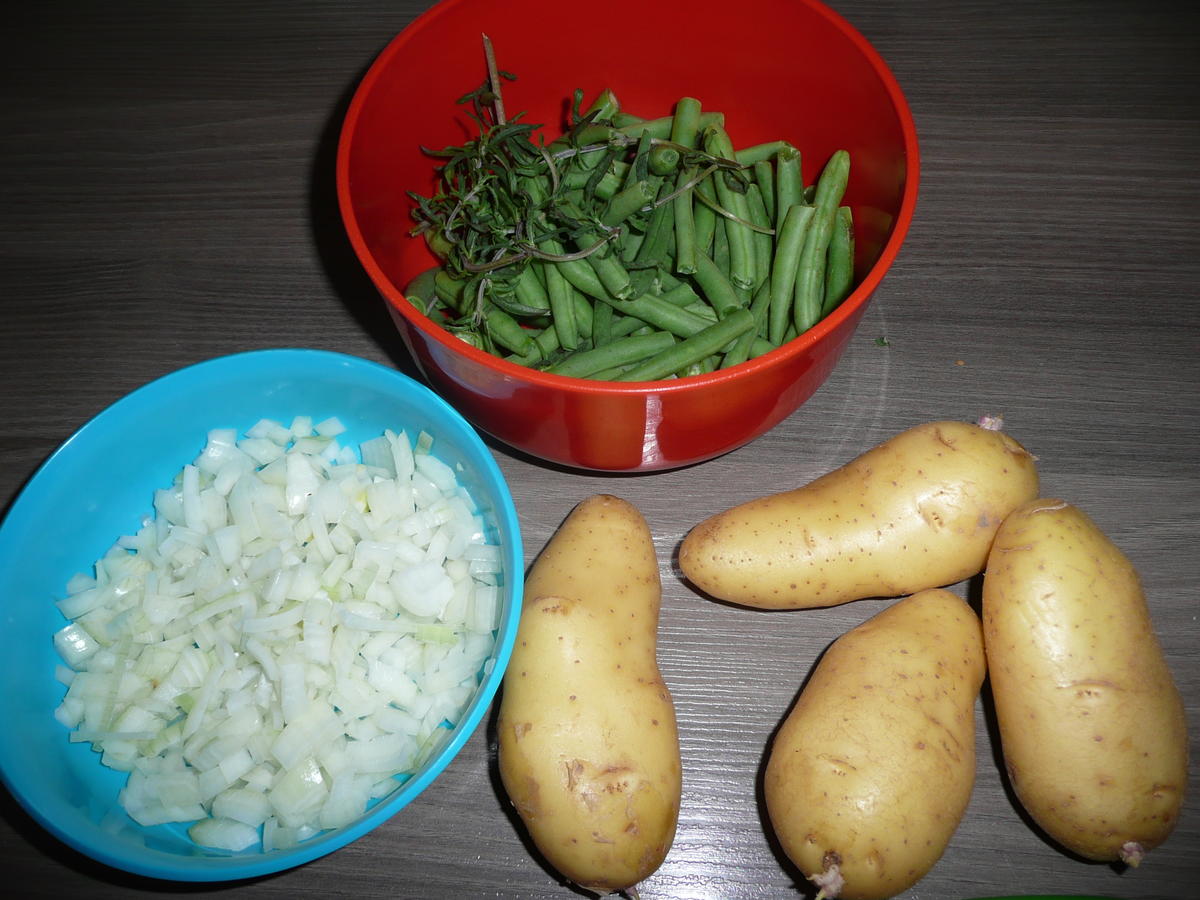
x=872 y=770
x=918 y=511
x=1091 y=724
x=588 y=745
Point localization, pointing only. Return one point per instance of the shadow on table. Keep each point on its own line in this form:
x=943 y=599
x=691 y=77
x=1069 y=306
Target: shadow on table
x=47 y=846
x=346 y=275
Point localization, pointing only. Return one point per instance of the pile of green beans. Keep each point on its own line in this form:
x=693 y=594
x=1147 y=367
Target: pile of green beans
x=631 y=249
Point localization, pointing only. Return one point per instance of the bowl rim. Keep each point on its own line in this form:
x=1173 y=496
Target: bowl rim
x=848 y=308
x=158 y=864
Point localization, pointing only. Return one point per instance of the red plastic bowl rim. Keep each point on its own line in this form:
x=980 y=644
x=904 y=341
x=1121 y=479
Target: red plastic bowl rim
x=794 y=347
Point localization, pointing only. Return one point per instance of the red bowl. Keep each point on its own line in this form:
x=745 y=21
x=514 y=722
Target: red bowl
x=790 y=69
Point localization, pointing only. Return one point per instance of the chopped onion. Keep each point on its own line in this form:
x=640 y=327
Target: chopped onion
x=285 y=640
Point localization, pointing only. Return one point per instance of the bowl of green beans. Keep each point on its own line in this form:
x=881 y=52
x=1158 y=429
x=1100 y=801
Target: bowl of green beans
x=608 y=251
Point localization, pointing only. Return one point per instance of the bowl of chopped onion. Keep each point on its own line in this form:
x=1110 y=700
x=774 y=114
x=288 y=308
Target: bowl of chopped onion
x=632 y=241
x=257 y=606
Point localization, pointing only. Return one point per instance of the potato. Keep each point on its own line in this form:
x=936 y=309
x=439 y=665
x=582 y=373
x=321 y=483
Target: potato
x=1091 y=724
x=918 y=511
x=588 y=744
x=872 y=769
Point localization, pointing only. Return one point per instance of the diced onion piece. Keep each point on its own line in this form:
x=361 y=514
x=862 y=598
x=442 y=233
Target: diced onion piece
x=224 y=834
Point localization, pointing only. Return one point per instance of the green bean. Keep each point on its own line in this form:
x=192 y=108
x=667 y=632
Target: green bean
x=607 y=266
x=704 y=216
x=810 y=275
x=639 y=166
x=583 y=278
x=584 y=312
x=757 y=153
x=623 y=326
x=605 y=106
x=788 y=246
x=740 y=351
x=660 y=128
x=622 y=119
x=667 y=281
x=764 y=177
x=449 y=290
x=660 y=236
x=745 y=295
x=761 y=307
x=681 y=294
x=545 y=345
x=702 y=310
x=529 y=291
x=608 y=185
x=762 y=242
x=760 y=347
x=631 y=241
x=720 y=246
x=421 y=291
x=546 y=341
x=832 y=184
x=503 y=297
x=701 y=367
x=618 y=169
x=718 y=290
x=685 y=128
x=585 y=136
x=645 y=281
x=692 y=349
x=662 y=315
x=612 y=374
x=789 y=186
x=578 y=272
x=741 y=255
x=685 y=124
x=663 y=160
x=627 y=201
x=506 y=331
x=602 y=320
x=839 y=269
x=562 y=306
x=685 y=223
x=620 y=352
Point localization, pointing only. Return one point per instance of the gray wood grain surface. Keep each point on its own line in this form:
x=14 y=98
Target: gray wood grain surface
x=167 y=197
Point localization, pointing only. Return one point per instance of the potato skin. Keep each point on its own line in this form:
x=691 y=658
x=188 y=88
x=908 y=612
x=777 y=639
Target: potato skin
x=918 y=511
x=1091 y=724
x=588 y=743
x=873 y=767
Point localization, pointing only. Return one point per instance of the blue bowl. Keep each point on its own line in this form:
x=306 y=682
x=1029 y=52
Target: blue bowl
x=99 y=484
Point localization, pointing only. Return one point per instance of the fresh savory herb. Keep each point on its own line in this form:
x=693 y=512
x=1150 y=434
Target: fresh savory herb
x=626 y=227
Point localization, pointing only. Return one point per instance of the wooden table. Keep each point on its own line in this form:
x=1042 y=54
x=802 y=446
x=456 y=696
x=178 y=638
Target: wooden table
x=168 y=197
